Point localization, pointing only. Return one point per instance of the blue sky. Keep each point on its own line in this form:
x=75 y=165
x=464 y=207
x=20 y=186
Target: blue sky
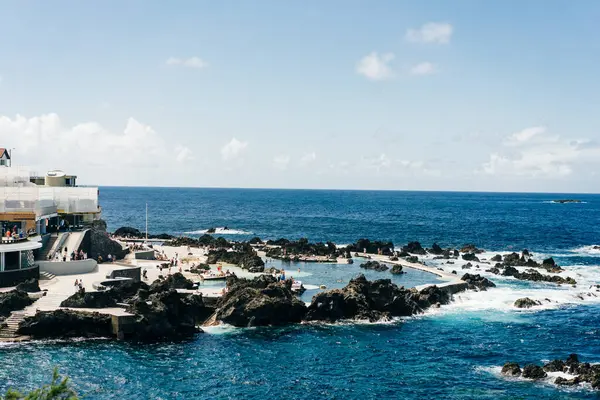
x=436 y=95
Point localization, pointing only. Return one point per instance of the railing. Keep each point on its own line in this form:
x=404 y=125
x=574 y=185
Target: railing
x=46 y=200
x=58 y=244
x=7 y=240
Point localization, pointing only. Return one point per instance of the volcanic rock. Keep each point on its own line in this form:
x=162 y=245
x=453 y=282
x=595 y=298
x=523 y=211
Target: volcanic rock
x=536 y=276
x=127 y=231
x=436 y=249
x=167 y=315
x=555 y=366
x=175 y=281
x=550 y=265
x=83 y=299
x=362 y=299
x=30 y=286
x=374 y=265
x=65 y=324
x=259 y=302
x=567 y=382
x=526 y=302
x=98 y=244
x=430 y=296
x=470 y=257
x=14 y=300
x=397 y=269
x=535 y=372
x=477 y=282
x=470 y=248
x=414 y=248
x=511 y=369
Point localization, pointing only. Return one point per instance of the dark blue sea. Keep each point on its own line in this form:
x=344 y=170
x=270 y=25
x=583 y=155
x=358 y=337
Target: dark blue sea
x=451 y=353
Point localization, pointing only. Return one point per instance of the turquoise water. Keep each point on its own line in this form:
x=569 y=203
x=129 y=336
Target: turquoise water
x=450 y=353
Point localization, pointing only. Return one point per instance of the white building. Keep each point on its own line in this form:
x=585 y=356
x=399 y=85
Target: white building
x=17 y=263
x=38 y=205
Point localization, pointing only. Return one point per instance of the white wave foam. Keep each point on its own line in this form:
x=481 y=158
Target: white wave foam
x=220 y=231
x=591 y=250
x=509 y=289
x=558 y=202
x=221 y=329
x=549 y=380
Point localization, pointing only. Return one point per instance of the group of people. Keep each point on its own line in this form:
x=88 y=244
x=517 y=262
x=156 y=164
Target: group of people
x=78 y=285
x=281 y=275
x=12 y=234
x=160 y=255
x=63 y=255
x=137 y=247
x=173 y=262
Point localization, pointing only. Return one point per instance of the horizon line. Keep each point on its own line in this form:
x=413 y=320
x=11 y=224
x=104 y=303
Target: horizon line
x=342 y=190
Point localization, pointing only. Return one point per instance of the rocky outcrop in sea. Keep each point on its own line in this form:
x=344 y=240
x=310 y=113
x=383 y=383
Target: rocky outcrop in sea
x=477 y=282
x=259 y=302
x=579 y=372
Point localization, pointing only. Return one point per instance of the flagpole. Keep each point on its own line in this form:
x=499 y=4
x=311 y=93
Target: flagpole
x=146 y=222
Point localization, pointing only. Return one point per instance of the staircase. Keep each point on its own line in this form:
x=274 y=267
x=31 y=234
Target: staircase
x=48 y=249
x=8 y=329
x=46 y=276
x=49 y=302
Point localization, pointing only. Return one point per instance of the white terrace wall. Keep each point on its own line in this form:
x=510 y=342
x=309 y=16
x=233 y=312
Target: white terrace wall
x=68 y=267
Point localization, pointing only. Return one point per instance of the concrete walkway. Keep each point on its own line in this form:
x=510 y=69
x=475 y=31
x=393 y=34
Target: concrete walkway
x=453 y=282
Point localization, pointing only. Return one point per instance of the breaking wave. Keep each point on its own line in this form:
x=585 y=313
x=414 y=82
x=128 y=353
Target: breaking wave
x=219 y=231
x=591 y=250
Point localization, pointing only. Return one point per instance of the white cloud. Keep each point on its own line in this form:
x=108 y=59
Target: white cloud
x=376 y=67
x=233 y=149
x=192 y=62
x=432 y=32
x=308 y=158
x=45 y=143
x=281 y=162
x=378 y=163
x=424 y=68
x=183 y=154
x=532 y=152
x=525 y=135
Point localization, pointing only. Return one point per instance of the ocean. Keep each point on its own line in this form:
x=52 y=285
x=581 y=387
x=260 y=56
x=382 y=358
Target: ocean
x=455 y=352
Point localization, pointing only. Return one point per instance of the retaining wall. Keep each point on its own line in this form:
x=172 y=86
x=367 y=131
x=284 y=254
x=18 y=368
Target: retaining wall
x=68 y=267
x=144 y=255
x=132 y=273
